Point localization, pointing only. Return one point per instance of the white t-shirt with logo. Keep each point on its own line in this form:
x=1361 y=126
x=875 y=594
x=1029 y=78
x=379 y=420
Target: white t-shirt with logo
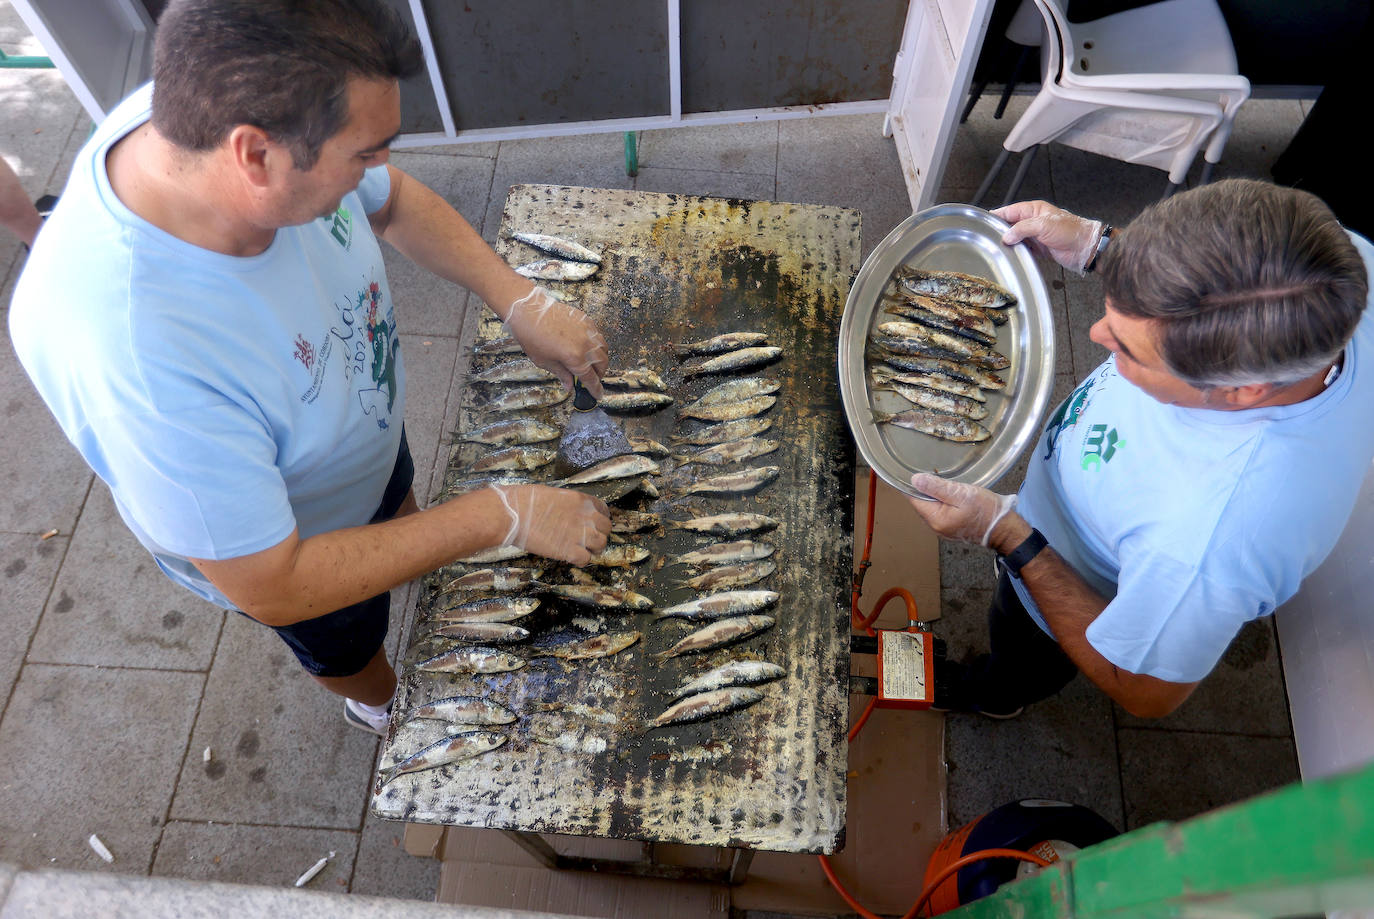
x=225 y=401
x=1195 y=521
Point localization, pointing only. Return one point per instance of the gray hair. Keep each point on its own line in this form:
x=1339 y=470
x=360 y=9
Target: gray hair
x=1251 y=282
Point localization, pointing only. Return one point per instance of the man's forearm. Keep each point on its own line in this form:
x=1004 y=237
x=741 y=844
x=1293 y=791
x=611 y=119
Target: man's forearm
x=427 y=230
x=1069 y=605
x=300 y=579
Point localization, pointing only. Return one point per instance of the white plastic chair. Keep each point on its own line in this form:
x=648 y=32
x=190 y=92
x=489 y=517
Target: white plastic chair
x=1150 y=85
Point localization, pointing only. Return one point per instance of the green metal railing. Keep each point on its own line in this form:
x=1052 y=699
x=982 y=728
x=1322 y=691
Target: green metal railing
x=1302 y=850
x=23 y=62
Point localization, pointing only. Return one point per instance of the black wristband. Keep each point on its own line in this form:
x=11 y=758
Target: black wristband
x=1030 y=547
x=1101 y=247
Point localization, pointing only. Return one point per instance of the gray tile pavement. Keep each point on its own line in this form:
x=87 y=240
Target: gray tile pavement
x=115 y=683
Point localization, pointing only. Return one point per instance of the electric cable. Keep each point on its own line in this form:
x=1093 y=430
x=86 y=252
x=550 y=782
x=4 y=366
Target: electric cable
x=860 y=621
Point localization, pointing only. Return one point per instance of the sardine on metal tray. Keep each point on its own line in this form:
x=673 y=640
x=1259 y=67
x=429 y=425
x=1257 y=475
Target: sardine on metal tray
x=464 y=486
x=724 y=553
x=723 y=433
x=880 y=376
x=729 y=411
x=521 y=397
x=635 y=400
x=953 y=285
x=635 y=379
x=983 y=332
x=603 y=645
x=555 y=245
x=707 y=705
x=474 y=659
x=521 y=371
x=446 y=752
x=736 y=524
x=901 y=335
x=722 y=343
x=606 y=597
x=983 y=379
x=718 y=606
x=721 y=632
x=729 y=576
x=554 y=269
x=735 y=673
x=511 y=431
x=734 y=483
x=945 y=427
x=462 y=710
x=938 y=401
x=742 y=359
x=514 y=459
x=735 y=451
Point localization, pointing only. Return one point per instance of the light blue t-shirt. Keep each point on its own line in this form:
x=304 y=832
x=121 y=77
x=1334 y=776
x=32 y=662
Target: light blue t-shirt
x=224 y=400
x=1195 y=521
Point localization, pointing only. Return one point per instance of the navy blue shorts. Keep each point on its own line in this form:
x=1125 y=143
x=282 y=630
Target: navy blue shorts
x=342 y=643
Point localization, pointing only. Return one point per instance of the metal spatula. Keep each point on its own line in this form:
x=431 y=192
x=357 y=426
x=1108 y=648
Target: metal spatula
x=590 y=435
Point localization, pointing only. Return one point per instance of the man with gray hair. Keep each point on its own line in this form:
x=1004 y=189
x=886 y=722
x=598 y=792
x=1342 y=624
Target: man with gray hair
x=1191 y=482
x=207 y=315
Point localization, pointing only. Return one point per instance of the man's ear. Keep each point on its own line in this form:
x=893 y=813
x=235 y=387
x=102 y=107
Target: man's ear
x=1247 y=396
x=253 y=154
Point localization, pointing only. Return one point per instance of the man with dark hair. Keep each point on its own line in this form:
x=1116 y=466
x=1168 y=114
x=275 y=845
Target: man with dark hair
x=1192 y=481
x=207 y=315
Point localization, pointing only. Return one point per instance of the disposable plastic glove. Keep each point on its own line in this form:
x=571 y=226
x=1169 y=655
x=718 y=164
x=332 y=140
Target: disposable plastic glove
x=960 y=511
x=1052 y=232
x=560 y=338
x=554 y=522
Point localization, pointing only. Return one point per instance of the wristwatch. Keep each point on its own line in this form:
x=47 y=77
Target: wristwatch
x=1102 y=241
x=1030 y=547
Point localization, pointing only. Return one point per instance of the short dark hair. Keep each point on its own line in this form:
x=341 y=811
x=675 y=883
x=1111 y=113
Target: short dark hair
x=281 y=65
x=1252 y=282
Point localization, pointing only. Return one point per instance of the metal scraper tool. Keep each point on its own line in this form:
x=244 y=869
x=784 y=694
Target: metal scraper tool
x=590 y=435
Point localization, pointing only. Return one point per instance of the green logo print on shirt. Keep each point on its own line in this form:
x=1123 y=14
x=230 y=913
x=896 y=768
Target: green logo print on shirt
x=1100 y=446
x=341 y=226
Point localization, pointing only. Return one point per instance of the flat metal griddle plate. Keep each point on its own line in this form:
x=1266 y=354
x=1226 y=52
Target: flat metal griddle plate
x=950 y=237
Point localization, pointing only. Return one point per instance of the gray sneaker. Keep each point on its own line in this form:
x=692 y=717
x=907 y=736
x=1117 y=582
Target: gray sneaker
x=363 y=721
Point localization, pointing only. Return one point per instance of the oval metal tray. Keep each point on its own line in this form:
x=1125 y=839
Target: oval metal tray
x=951 y=237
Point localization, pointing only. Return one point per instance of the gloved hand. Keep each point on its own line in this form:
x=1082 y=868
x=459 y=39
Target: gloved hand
x=1052 y=232
x=560 y=338
x=960 y=511
x=554 y=522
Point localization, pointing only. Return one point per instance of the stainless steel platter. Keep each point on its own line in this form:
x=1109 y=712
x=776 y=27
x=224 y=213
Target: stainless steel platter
x=951 y=237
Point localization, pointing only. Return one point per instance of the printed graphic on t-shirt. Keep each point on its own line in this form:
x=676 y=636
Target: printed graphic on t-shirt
x=366 y=335
x=1099 y=446
x=1072 y=408
x=341 y=226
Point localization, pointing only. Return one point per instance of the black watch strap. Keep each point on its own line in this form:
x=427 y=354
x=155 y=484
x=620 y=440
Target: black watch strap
x=1101 y=247
x=1030 y=547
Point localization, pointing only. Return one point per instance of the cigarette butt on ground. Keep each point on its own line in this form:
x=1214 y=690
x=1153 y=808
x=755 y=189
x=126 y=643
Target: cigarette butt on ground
x=207 y=755
x=314 y=870
x=50 y=534
x=100 y=849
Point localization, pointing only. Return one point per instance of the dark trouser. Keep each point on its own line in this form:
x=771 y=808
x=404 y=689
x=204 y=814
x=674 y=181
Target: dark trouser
x=341 y=643
x=1025 y=664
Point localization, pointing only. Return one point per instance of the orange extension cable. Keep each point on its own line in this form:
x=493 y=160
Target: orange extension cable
x=866 y=623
